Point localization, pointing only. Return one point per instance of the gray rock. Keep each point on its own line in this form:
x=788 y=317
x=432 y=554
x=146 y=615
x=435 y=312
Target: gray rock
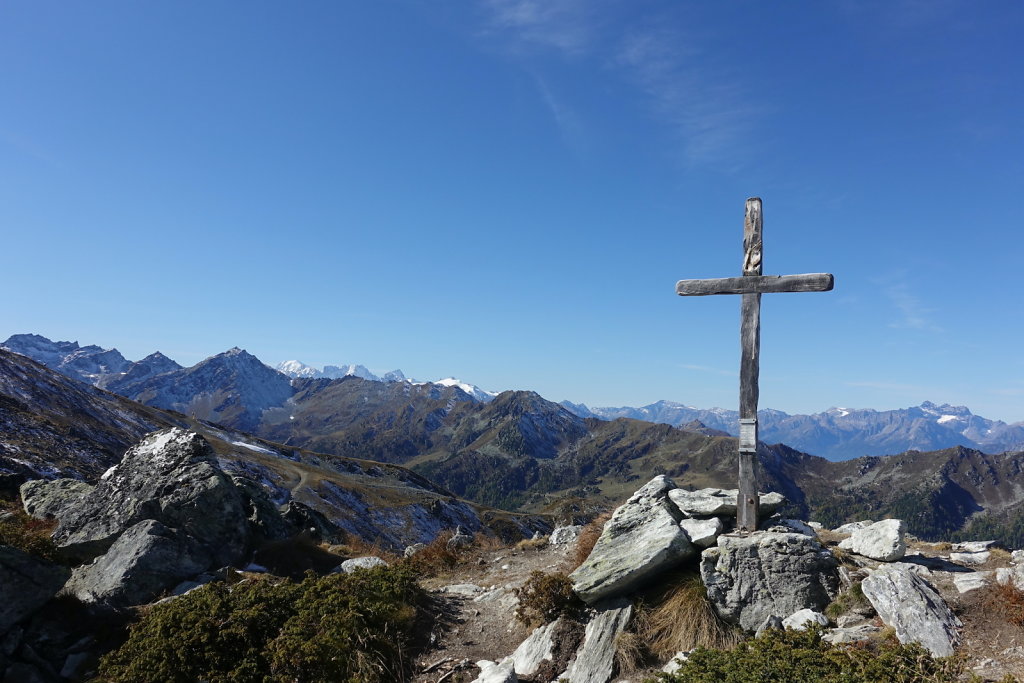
x=368 y=562
x=792 y=526
x=970 y=581
x=774 y=622
x=702 y=532
x=973 y=546
x=595 y=660
x=852 y=634
x=750 y=578
x=565 y=535
x=172 y=477
x=460 y=539
x=413 y=549
x=850 y=527
x=970 y=559
x=1013 y=575
x=1017 y=557
x=720 y=502
x=642 y=539
x=883 y=541
x=143 y=562
x=22 y=672
x=42 y=498
x=909 y=605
x=800 y=620
x=26 y=584
x=537 y=647
x=495 y=673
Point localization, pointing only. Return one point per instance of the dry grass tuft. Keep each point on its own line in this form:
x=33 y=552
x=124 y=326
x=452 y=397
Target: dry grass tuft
x=588 y=538
x=532 y=543
x=843 y=556
x=630 y=653
x=488 y=542
x=436 y=558
x=1007 y=601
x=682 y=620
x=353 y=546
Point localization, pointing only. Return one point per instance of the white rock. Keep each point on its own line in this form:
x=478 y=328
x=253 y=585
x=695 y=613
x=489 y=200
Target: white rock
x=565 y=535
x=1011 y=575
x=720 y=502
x=702 y=532
x=853 y=526
x=817 y=526
x=368 y=562
x=801 y=619
x=496 y=673
x=883 y=541
x=676 y=663
x=967 y=582
x=913 y=609
x=534 y=650
x=970 y=559
x=850 y=635
x=1016 y=557
x=973 y=546
x=467 y=589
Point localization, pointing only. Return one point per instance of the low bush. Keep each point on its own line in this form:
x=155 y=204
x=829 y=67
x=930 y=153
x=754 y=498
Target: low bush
x=1007 y=601
x=785 y=656
x=545 y=597
x=845 y=602
x=339 y=627
x=28 y=534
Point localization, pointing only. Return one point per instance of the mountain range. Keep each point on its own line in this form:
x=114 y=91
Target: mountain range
x=237 y=388
x=335 y=445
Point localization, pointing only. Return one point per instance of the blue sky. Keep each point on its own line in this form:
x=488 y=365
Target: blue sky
x=508 y=190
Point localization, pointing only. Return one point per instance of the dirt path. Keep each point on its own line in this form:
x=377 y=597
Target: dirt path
x=478 y=610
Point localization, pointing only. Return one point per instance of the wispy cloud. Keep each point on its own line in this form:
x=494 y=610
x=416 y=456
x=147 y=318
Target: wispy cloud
x=703 y=106
x=567 y=26
x=914 y=315
x=712 y=371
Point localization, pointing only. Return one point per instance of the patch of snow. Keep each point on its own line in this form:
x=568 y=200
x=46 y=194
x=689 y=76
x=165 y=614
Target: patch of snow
x=253 y=447
x=947 y=418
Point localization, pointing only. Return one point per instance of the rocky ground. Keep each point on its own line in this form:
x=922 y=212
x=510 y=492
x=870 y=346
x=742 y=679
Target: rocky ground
x=476 y=606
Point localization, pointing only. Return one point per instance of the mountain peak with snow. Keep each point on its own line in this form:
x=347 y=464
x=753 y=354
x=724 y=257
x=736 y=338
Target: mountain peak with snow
x=471 y=389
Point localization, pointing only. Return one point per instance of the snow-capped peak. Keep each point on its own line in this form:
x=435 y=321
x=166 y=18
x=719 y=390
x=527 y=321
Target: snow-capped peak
x=471 y=389
x=294 y=368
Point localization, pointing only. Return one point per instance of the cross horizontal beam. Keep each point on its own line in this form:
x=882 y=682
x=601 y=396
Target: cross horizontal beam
x=757 y=284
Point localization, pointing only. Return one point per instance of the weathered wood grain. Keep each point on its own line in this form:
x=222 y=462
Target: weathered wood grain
x=757 y=284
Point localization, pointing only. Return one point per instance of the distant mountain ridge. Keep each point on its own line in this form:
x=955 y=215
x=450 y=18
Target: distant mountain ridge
x=842 y=433
x=237 y=388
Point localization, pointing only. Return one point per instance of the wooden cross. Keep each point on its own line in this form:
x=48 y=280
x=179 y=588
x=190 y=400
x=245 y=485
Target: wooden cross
x=751 y=285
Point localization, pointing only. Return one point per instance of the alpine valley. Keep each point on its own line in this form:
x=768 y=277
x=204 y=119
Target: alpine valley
x=346 y=445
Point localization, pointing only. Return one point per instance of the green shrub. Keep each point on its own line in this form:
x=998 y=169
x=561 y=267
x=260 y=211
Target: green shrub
x=786 y=656
x=545 y=597
x=339 y=627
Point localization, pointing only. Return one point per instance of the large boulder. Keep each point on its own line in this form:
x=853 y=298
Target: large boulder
x=642 y=539
x=751 y=578
x=720 y=502
x=913 y=609
x=883 y=541
x=143 y=562
x=172 y=477
x=44 y=498
x=26 y=583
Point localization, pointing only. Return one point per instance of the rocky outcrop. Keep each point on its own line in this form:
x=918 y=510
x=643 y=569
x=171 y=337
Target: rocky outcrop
x=565 y=535
x=357 y=563
x=43 y=498
x=171 y=477
x=702 y=532
x=766 y=574
x=720 y=502
x=800 y=620
x=909 y=605
x=143 y=562
x=883 y=541
x=165 y=513
x=642 y=539
x=595 y=660
x=26 y=583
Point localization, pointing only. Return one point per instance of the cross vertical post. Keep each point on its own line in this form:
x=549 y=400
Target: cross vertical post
x=751 y=285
